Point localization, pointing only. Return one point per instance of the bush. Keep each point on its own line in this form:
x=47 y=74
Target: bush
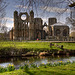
x=10 y=67
x=25 y=67
x=33 y=65
x=2 y=69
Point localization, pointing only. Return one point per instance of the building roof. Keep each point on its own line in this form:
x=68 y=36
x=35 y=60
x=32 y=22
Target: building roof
x=59 y=24
x=72 y=4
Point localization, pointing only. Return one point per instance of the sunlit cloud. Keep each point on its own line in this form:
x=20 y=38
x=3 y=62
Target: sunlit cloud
x=8 y=19
x=9 y=22
x=45 y=20
x=9 y=25
x=55 y=9
x=21 y=6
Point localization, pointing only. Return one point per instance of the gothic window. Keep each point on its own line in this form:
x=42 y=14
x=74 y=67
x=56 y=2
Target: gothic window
x=38 y=35
x=23 y=17
x=57 y=32
x=28 y=24
x=64 y=32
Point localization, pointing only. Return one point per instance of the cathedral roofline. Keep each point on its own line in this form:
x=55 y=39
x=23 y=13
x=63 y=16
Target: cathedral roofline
x=59 y=24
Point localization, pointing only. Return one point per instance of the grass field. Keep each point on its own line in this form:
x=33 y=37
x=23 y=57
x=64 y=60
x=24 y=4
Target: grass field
x=68 y=45
x=27 y=45
x=34 y=45
x=68 y=69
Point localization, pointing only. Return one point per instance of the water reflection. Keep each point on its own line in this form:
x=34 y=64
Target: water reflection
x=17 y=61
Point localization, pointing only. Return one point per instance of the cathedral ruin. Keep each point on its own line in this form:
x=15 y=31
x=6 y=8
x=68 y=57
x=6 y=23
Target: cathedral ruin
x=31 y=28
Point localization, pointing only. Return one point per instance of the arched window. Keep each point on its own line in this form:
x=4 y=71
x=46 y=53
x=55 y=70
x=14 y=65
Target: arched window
x=64 y=32
x=57 y=32
x=23 y=17
x=38 y=35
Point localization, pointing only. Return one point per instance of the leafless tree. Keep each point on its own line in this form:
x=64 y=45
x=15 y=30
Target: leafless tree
x=71 y=20
x=47 y=5
x=3 y=28
x=2 y=10
x=27 y=5
x=3 y=5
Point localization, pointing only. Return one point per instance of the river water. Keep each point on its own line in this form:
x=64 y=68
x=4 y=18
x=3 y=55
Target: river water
x=17 y=61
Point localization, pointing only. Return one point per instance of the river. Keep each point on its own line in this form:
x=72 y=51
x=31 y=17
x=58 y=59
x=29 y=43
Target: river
x=17 y=61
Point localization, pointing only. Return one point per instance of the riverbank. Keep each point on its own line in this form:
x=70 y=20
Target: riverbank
x=35 y=48
x=48 y=69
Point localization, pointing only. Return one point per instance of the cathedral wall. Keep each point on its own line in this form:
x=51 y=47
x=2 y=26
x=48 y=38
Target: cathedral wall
x=52 y=21
x=32 y=28
x=15 y=25
x=38 y=23
x=61 y=31
x=11 y=34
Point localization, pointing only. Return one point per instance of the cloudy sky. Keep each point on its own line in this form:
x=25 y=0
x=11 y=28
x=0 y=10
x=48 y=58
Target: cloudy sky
x=52 y=10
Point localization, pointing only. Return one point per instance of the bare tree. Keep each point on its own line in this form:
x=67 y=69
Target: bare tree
x=3 y=28
x=3 y=5
x=60 y=6
x=71 y=20
x=27 y=5
x=2 y=10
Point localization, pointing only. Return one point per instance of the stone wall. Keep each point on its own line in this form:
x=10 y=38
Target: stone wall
x=52 y=21
x=28 y=29
x=32 y=28
x=60 y=30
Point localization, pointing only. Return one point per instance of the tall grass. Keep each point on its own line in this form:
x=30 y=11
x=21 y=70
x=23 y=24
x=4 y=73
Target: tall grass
x=28 y=45
x=70 y=46
x=34 y=45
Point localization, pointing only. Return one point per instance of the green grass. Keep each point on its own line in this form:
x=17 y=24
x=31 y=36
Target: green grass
x=68 y=69
x=19 y=48
x=24 y=44
x=27 y=45
x=70 y=46
x=34 y=45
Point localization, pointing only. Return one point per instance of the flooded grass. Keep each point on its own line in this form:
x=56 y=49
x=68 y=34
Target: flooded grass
x=63 y=69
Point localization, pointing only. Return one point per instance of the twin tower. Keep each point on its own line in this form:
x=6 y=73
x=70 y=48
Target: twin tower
x=29 y=28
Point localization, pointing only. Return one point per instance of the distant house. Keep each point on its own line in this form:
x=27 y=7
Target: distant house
x=4 y=36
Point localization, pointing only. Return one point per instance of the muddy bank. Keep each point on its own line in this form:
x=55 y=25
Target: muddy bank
x=13 y=52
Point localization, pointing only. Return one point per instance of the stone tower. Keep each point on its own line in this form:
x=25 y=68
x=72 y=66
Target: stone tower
x=15 y=28
x=23 y=26
x=31 y=26
x=52 y=21
x=38 y=28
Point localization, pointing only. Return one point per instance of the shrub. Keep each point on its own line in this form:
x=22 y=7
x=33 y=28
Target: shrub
x=10 y=67
x=33 y=65
x=26 y=67
x=2 y=69
x=43 y=65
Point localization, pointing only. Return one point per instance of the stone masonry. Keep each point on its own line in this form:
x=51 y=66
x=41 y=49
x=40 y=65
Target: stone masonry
x=29 y=29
